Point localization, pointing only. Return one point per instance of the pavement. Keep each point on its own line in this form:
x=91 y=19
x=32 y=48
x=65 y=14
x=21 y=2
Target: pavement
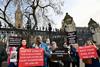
x=4 y=64
x=81 y=64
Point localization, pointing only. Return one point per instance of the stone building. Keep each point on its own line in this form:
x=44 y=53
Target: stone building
x=95 y=30
x=83 y=33
x=18 y=18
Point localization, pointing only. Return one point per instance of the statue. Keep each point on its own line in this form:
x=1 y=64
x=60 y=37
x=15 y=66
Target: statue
x=68 y=24
x=68 y=27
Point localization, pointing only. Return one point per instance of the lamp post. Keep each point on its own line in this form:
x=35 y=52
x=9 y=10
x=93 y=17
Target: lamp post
x=0 y=24
x=49 y=28
x=28 y=24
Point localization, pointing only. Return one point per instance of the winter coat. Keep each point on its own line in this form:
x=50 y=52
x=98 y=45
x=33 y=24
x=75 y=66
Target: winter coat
x=3 y=54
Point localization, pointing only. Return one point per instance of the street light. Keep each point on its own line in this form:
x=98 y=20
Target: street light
x=0 y=24
x=28 y=24
x=50 y=28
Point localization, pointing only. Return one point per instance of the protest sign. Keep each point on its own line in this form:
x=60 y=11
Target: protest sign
x=59 y=54
x=31 y=57
x=14 y=40
x=87 y=52
x=13 y=56
x=71 y=37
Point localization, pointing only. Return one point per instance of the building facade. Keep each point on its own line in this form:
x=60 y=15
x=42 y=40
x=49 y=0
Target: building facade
x=95 y=30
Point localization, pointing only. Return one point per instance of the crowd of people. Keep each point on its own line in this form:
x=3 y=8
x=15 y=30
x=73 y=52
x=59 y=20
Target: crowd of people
x=72 y=57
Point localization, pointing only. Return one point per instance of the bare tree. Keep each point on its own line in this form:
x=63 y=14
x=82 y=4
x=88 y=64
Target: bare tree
x=4 y=16
x=37 y=9
x=40 y=8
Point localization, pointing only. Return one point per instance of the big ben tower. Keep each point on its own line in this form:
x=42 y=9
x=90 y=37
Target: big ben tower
x=18 y=18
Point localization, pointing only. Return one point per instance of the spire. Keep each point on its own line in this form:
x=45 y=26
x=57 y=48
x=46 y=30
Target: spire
x=18 y=17
x=18 y=9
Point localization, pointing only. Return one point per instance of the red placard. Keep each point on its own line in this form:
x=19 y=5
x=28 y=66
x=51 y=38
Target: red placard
x=31 y=57
x=87 y=52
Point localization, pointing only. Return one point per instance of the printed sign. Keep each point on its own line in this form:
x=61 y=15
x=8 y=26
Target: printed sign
x=71 y=37
x=13 y=56
x=59 y=54
x=87 y=52
x=14 y=40
x=31 y=57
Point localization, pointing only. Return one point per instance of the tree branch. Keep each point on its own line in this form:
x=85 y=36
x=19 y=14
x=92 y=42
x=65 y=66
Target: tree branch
x=10 y=25
x=7 y=5
x=45 y=16
x=4 y=14
x=5 y=8
x=44 y=6
x=28 y=7
x=1 y=10
x=2 y=18
x=49 y=5
x=37 y=3
x=33 y=2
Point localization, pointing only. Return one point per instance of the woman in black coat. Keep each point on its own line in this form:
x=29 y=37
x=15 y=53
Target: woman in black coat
x=94 y=61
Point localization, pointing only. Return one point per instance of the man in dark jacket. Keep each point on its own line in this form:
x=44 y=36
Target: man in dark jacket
x=67 y=60
x=3 y=54
x=75 y=56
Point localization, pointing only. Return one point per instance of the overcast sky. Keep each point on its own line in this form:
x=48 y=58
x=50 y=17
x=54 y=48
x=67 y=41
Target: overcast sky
x=82 y=11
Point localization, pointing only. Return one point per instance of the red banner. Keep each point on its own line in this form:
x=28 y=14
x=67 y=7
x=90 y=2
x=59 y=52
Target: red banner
x=31 y=57
x=87 y=52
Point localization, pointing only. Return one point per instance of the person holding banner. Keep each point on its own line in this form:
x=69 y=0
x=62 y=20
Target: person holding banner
x=54 y=63
x=68 y=58
x=22 y=46
x=39 y=44
x=13 y=57
x=91 y=62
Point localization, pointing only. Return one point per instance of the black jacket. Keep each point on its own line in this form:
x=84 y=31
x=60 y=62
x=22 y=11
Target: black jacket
x=3 y=54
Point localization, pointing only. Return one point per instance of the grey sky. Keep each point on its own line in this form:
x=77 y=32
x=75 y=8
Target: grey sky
x=80 y=10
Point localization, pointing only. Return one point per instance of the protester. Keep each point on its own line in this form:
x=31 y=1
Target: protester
x=67 y=60
x=49 y=46
x=54 y=45
x=9 y=53
x=54 y=63
x=75 y=56
x=3 y=53
x=12 y=61
x=91 y=62
x=39 y=44
x=22 y=46
x=48 y=43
